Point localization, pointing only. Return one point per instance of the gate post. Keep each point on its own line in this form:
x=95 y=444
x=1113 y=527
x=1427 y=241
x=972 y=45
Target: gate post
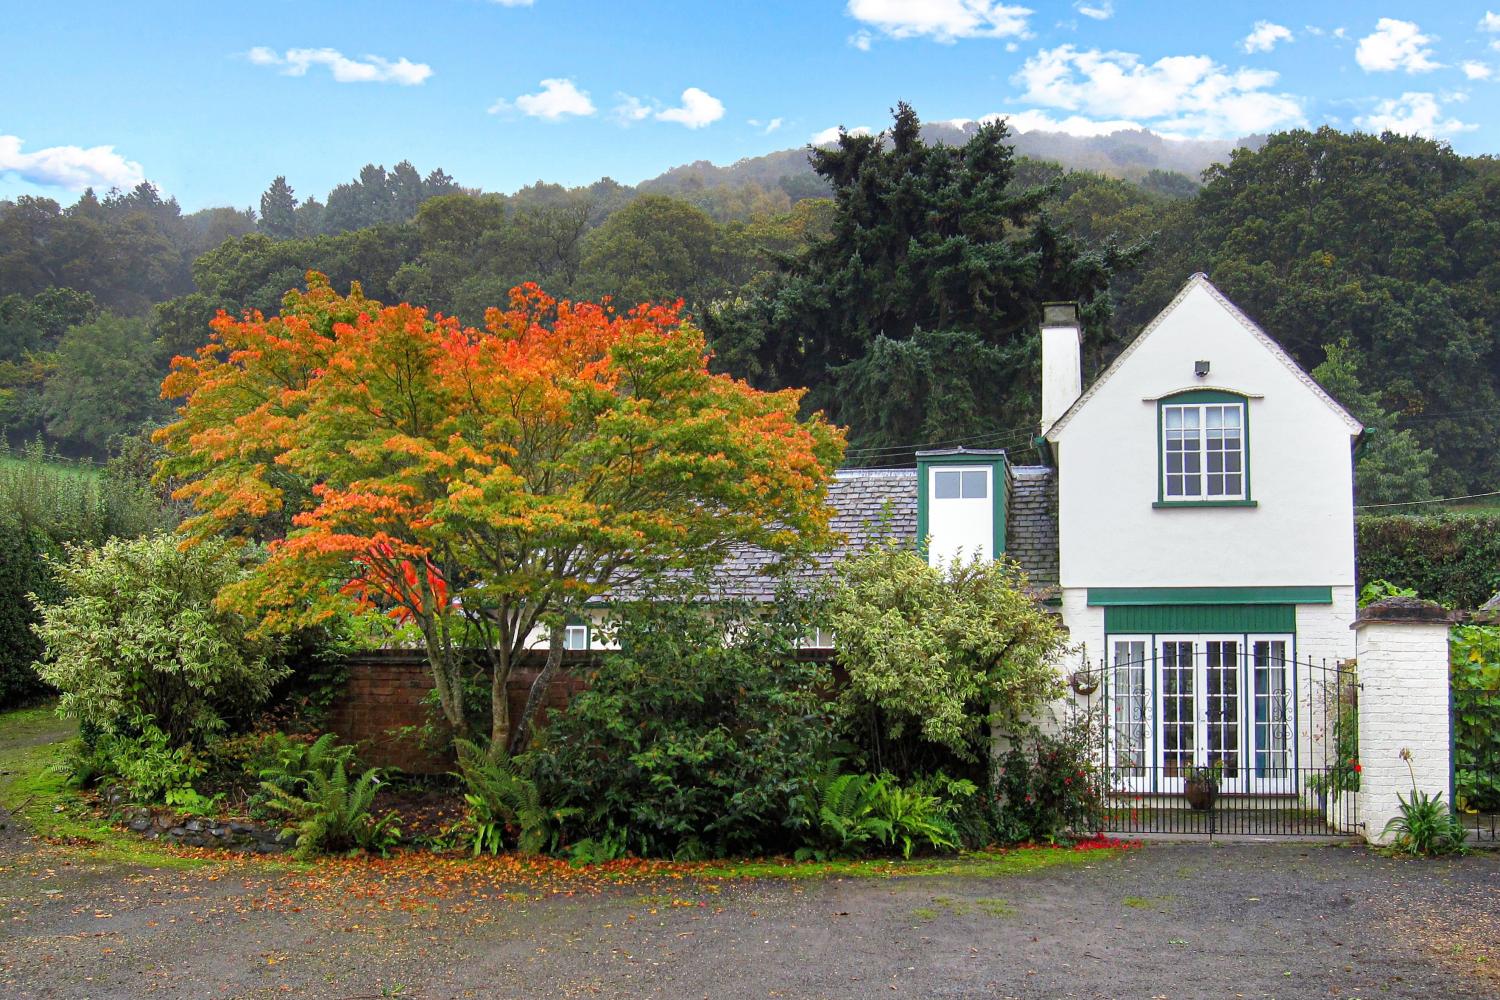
x=1401 y=645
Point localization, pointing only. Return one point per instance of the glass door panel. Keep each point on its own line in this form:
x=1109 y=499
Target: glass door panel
x=1221 y=710
x=1130 y=712
x=1271 y=729
x=1179 y=715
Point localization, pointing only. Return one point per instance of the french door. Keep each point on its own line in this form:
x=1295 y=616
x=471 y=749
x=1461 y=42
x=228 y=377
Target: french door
x=1185 y=701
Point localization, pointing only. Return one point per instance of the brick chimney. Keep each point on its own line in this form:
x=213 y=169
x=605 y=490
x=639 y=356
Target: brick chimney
x=1062 y=360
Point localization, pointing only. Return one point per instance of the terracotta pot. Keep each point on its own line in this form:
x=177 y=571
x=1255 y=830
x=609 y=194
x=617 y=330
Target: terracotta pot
x=1200 y=794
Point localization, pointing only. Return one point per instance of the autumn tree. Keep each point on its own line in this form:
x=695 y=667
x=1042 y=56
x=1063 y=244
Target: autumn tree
x=483 y=483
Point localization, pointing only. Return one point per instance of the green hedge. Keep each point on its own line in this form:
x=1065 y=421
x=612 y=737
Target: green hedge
x=22 y=572
x=1450 y=558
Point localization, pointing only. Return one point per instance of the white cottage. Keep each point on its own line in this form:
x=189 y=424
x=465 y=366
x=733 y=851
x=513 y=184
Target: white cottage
x=1206 y=543
x=1193 y=525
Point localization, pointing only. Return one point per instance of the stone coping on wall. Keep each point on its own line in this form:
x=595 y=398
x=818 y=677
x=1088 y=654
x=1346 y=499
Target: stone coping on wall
x=1407 y=610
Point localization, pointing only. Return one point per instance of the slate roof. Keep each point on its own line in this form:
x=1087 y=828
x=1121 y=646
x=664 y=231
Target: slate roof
x=873 y=503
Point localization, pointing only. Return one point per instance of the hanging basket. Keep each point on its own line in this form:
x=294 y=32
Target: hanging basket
x=1083 y=683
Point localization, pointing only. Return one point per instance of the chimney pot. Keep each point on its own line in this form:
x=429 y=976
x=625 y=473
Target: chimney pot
x=1059 y=313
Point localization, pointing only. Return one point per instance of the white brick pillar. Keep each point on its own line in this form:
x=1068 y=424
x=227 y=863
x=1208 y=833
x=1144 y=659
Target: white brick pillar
x=1401 y=645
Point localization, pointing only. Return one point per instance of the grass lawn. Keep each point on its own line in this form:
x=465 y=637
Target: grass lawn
x=81 y=470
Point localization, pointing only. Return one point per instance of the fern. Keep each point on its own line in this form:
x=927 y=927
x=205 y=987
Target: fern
x=331 y=812
x=501 y=801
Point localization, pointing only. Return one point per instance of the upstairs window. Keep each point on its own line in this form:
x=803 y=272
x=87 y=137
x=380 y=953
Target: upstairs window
x=1203 y=452
x=961 y=484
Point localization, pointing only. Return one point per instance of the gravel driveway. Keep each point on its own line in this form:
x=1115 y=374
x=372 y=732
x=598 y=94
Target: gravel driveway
x=1167 y=920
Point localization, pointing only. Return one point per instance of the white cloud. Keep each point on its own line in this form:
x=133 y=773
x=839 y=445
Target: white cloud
x=558 y=99
x=861 y=40
x=1490 y=21
x=942 y=20
x=1475 y=70
x=1413 y=113
x=1187 y=95
x=698 y=108
x=71 y=167
x=631 y=109
x=513 y=3
x=1395 y=45
x=368 y=69
x=1264 y=36
x=830 y=135
x=1099 y=10
x=766 y=128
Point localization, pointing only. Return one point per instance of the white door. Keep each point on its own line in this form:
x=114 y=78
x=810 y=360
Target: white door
x=1131 y=745
x=1200 y=709
x=1271 y=715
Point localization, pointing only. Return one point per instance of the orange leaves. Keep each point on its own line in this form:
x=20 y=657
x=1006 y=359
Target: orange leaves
x=397 y=457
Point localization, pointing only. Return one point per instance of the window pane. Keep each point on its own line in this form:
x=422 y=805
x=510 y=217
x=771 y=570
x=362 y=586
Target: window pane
x=945 y=485
x=1173 y=416
x=975 y=484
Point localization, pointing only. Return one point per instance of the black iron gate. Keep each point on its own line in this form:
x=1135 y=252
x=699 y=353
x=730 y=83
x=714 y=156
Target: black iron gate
x=1476 y=740
x=1223 y=736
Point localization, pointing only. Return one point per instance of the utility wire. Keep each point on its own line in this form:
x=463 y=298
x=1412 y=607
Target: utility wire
x=1014 y=433
x=1409 y=503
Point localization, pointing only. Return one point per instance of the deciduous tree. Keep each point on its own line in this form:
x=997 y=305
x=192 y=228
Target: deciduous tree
x=482 y=482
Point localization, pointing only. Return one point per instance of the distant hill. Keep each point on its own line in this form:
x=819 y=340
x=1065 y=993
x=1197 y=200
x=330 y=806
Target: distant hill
x=1127 y=154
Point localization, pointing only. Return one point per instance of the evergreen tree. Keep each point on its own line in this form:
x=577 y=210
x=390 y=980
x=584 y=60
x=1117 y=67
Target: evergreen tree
x=1390 y=466
x=278 y=211
x=916 y=318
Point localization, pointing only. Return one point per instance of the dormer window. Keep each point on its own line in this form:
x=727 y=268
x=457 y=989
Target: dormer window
x=1203 y=450
x=960 y=504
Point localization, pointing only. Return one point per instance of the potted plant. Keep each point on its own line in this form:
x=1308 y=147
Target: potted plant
x=1201 y=785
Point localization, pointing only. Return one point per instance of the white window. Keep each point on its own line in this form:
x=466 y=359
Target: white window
x=1203 y=451
x=818 y=638
x=576 y=637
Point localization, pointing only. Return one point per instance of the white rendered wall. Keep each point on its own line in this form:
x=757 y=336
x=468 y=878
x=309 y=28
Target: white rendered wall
x=1300 y=462
x=1062 y=371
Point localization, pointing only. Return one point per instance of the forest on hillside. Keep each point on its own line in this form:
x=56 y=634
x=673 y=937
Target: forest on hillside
x=898 y=267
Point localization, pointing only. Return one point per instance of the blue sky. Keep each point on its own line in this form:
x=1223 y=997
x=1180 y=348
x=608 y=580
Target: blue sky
x=210 y=101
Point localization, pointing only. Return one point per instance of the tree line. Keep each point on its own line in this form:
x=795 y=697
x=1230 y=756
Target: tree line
x=902 y=285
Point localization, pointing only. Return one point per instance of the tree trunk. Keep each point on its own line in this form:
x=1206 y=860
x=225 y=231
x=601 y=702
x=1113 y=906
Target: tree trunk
x=538 y=693
x=500 y=699
x=446 y=675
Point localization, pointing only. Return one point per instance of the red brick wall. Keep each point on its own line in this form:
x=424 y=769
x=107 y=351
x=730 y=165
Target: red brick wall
x=385 y=694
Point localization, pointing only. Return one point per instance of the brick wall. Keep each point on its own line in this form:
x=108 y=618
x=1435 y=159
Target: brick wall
x=386 y=693
x=1403 y=705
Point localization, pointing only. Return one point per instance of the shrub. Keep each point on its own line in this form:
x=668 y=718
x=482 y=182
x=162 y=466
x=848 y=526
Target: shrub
x=1451 y=558
x=150 y=768
x=935 y=655
x=138 y=636
x=23 y=571
x=694 y=740
x=44 y=504
x=1474 y=659
x=330 y=811
x=1047 y=787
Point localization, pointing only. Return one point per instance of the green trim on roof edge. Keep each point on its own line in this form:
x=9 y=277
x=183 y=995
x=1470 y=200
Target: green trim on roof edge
x=1108 y=596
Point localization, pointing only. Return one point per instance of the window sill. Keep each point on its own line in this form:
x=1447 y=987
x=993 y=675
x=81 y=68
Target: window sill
x=1206 y=503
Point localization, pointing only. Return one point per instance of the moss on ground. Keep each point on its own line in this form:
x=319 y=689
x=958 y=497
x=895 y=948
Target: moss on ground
x=977 y=864
x=34 y=747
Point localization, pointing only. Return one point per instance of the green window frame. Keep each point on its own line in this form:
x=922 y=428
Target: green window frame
x=1202 y=402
